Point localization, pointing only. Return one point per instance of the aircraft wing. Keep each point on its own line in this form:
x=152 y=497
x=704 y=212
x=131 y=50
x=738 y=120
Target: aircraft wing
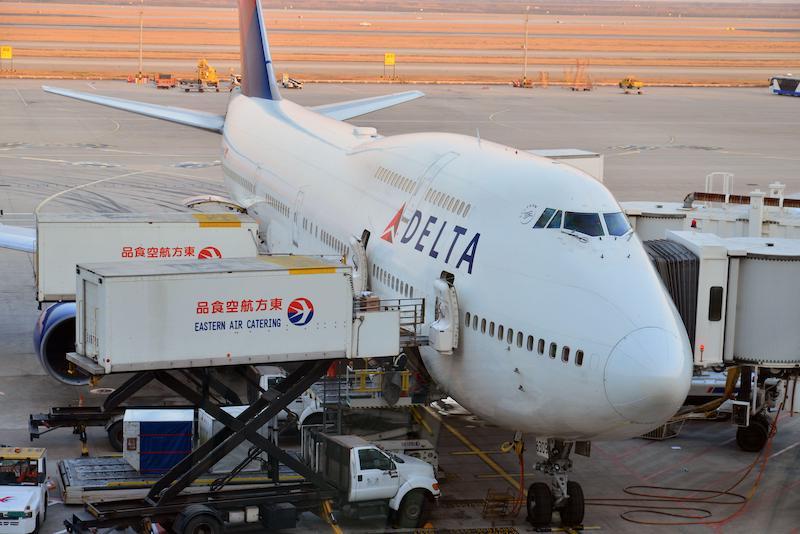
x=17 y=238
x=355 y=108
x=188 y=117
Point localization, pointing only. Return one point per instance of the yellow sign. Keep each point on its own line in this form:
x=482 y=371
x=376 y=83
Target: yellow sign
x=6 y=52
x=388 y=59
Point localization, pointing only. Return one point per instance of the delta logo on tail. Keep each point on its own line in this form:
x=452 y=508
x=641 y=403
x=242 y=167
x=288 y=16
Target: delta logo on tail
x=451 y=243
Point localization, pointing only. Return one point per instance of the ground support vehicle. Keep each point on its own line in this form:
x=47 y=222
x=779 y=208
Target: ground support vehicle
x=372 y=481
x=290 y=83
x=165 y=81
x=206 y=78
x=23 y=486
x=629 y=84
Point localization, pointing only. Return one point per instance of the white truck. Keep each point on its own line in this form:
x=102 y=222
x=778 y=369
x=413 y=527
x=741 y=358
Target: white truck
x=371 y=480
x=23 y=489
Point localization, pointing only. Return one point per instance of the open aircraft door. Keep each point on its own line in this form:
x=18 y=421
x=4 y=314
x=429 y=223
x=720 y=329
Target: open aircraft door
x=443 y=335
x=357 y=259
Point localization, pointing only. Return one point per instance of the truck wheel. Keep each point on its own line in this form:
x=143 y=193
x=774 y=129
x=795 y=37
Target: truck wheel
x=115 y=435
x=197 y=519
x=411 y=510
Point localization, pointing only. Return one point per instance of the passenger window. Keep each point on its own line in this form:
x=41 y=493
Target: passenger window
x=541 y=346
x=583 y=223
x=466 y=210
x=483 y=326
x=491 y=329
x=544 y=218
x=579 y=358
x=474 y=322
x=500 y=332
x=467 y=319
x=553 y=349
x=519 y=339
x=556 y=222
x=530 y=343
x=374 y=459
x=565 y=354
x=510 y=336
x=616 y=223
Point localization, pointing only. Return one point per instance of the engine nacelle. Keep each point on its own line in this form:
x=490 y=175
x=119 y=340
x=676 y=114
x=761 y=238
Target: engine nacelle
x=53 y=338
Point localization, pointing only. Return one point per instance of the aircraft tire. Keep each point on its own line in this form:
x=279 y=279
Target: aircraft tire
x=540 y=504
x=573 y=510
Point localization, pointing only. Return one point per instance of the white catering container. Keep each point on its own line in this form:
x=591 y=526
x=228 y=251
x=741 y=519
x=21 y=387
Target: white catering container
x=140 y=316
x=155 y=440
x=207 y=426
x=65 y=240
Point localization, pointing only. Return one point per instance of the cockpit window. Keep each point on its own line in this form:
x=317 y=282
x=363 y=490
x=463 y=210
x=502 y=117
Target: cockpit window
x=616 y=223
x=556 y=222
x=584 y=223
x=544 y=218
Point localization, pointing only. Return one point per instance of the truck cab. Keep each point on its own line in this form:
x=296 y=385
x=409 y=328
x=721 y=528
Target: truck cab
x=371 y=479
x=23 y=489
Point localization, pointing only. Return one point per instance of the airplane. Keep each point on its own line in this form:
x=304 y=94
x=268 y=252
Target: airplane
x=563 y=329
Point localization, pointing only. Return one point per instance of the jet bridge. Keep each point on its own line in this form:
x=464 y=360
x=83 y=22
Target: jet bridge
x=739 y=302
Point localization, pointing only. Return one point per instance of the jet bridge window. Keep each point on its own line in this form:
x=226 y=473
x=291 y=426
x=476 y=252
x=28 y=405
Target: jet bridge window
x=583 y=223
x=616 y=223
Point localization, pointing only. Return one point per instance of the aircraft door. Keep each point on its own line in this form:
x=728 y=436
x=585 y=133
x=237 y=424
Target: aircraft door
x=297 y=219
x=444 y=330
x=358 y=261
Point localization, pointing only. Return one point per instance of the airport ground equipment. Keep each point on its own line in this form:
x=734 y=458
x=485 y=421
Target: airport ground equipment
x=372 y=479
x=785 y=85
x=266 y=310
x=290 y=83
x=63 y=240
x=206 y=78
x=759 y=214
x=66 y=239
x=165 y=81
x=630 y=84
x=738 y=300
x=23 y=487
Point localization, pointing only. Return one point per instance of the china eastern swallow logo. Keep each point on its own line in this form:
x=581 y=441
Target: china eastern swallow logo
x=391 y=229
x=209 y=253
x=300 y=311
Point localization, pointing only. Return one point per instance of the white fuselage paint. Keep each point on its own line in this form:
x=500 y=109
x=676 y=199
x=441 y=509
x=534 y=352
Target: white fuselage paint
x=311 y=182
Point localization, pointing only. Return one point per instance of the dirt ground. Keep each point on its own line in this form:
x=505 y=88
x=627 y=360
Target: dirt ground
x=102 y=41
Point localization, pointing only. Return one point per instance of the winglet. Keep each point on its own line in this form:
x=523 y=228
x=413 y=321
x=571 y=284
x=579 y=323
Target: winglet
x=258 y=76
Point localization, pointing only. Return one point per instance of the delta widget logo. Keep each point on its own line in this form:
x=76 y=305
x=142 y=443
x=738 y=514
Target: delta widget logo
x=300 y=311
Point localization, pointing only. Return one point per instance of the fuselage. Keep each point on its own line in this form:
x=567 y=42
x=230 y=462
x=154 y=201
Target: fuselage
x=563 y=333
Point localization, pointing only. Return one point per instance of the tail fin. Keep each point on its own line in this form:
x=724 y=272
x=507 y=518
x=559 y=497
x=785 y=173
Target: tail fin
x=258 y=76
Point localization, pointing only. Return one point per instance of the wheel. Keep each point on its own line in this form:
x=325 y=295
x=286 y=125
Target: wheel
x=572 y=511
x=540 y=504
x=115 y=436
x=411 y=510
x=202 y=524
x=752 y=438
x=197 y=519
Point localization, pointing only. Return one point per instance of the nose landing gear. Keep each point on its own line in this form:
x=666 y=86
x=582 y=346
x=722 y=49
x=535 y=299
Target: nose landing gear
x=562 y=495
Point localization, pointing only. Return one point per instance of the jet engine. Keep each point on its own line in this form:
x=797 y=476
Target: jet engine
x=53 y=338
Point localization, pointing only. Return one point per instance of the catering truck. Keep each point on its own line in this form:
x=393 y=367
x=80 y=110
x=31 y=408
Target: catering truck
x=372 y=481
x=23 y=489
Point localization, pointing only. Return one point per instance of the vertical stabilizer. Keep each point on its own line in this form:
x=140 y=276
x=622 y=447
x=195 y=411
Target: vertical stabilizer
x=258 y=76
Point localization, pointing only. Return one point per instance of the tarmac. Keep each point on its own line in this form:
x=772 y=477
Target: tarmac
x=657 y=146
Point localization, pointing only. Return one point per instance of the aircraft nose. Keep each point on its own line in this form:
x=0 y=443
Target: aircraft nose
x=647 y=375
